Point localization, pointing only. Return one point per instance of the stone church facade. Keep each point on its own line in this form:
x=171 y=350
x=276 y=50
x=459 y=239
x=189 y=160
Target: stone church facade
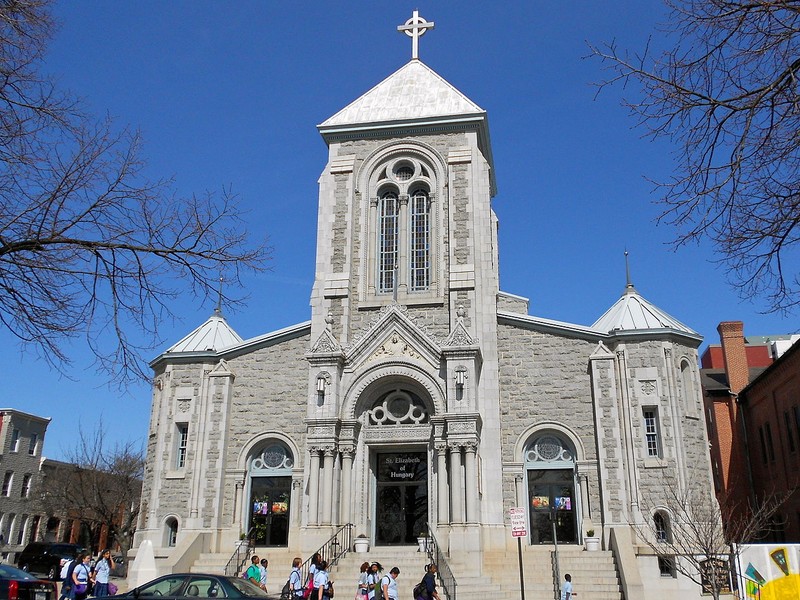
x=420 y=395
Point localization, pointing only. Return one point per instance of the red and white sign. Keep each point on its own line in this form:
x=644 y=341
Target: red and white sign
x=518 y=521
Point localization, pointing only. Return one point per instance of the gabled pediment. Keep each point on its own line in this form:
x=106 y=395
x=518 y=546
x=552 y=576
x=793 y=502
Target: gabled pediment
x=393 y=336
x=601 y=352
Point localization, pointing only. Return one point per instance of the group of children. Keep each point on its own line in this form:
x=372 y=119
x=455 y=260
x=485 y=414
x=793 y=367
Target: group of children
x=81 y=578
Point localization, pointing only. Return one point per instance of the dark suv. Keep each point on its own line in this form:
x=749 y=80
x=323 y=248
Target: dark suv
x=47 y=558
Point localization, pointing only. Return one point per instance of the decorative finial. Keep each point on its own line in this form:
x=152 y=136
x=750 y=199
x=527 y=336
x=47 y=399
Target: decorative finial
x=415 y=28
x=460 y=312
x=218 y=309
x=628 y=284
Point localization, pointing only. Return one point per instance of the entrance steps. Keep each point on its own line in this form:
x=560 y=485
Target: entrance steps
x=593 y=573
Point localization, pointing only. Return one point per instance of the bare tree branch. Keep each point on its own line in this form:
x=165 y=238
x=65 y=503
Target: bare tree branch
x=726 y=94
x=88 y=246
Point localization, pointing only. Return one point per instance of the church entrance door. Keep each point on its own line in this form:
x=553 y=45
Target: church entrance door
x=401 y=511
x=552 y=498
x=269 y=503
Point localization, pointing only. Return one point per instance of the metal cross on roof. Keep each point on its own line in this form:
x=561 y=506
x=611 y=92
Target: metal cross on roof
x=415 y=28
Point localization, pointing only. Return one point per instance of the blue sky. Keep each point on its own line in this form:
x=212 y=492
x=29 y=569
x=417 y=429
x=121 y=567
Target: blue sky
x=229 y=94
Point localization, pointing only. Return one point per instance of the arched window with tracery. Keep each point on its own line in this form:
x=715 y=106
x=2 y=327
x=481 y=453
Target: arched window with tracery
x=270 y=483
x=403 y=229
x=398 y=407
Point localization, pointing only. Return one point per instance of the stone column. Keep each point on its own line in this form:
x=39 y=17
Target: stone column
x=456 y=487
x=583 y=482
x=296 y=501
x=327 y=484
x=403 y=250
x=443 y=517
x=237 y=502
x=471 y=481
x=347 y=484
x=313 y=487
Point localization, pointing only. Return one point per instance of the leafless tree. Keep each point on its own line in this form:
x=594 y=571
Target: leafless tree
x=100 y=485
x=726 y=94
x=88 y=246
x=685 y=528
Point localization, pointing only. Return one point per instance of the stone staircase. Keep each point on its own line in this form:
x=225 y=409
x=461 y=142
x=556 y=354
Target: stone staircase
x=594 y=574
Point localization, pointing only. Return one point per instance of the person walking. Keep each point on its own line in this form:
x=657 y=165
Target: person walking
x=363 y=582
x=429 y=581
x=296 y=579
x=389 y=585
x=263 y=570
x=253 y=573
x=321 y=581
x=102 y=573
x=66 y=578
x=374 y=579
x=81 y=577
x=566 y=589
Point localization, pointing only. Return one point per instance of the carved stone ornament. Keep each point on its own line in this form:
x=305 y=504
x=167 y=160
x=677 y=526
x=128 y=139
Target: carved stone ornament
x=459 y=336
x=394 y=346
x=399 y=434
x=383 y=314
x=184 y=405
x=326 y=343
x=648 y=387
x=319 y=431
x=461 y=427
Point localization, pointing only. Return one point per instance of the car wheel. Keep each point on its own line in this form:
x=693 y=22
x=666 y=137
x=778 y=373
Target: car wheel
x=52 y=574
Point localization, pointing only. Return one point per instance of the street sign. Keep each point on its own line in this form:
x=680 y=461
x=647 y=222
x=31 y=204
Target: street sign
x=518 y=526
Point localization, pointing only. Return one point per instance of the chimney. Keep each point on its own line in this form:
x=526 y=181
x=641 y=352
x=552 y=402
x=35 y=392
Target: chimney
x=731 y=335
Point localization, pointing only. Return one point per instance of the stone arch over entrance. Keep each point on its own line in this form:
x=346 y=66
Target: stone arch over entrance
x=394 y=404
x=382 y=378
x=268 y=462
x=550 y=453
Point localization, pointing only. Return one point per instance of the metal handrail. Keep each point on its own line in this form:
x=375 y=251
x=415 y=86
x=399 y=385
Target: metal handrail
x=237 y=561
x=337 y=546
x=751 y=580
x=435 y=555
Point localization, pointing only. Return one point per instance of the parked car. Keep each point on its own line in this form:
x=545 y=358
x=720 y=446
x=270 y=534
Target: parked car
x=16 y=584
x=120 y=566
x=197 y=585
x=47 y=558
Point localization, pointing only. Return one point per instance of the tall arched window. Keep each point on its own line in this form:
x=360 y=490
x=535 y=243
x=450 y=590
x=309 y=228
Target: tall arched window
x=171 y=532
x=388 y=234
x=420 y=241
x=687 y=388
x=661 y=527
x=403 y=228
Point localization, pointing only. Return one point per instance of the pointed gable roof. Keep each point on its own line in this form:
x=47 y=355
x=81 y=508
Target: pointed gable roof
x=632 y=312
x=212 y=336
x=413 y=92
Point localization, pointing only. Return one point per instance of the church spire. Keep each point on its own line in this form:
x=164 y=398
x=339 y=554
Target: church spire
x=218 y=307
x=415 y=28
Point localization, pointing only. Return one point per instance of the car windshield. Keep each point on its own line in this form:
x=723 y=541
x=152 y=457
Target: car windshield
x=247 y=588
x=7 y=572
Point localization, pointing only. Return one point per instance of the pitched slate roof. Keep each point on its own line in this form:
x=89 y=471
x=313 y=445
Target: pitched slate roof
x=213 y=335
x=415 y=91
x=633 y=312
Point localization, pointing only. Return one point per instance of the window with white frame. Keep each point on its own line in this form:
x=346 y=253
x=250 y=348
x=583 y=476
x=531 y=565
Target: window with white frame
x=15 y=440
x=26 y=485
x=33 y=446
x=652 y=434
x=403 y=238
x=181 y=444
x=7 y=481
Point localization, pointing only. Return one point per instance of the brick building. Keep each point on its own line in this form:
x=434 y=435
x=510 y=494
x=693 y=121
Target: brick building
x=751 y=388
x=28 y=512
x=420 y=396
